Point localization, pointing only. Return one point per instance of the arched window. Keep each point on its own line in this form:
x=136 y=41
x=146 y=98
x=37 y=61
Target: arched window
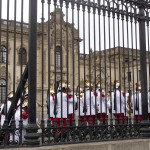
x=3 y=52
x=2 y=90
x=58 y=58
x=24 y=56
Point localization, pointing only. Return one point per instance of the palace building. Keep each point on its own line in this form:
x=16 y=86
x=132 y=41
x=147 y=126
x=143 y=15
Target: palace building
x=117 y=63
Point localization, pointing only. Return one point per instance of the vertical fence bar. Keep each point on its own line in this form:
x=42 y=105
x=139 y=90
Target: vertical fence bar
x=143 y=62
x=94 y=64
x=1 y=85
x=21 y=65
x=42 y=119
x=5 y=125
x=134 y=92
x=55 y=3
x=0 y=41
x=83 y=11
x=73 y=63
x=67 y=50
x=136 y=42
x=119 y=63
x=78 y=49
x=132 y=80
x=94 y=81
x=128 y=51
x=61 y=56
x=49 y=60
x=14 y=67
x=100 y=59
x=105 y=59
x=148 y=45
x=32 y=136
x=148 y=67
x=89 y=40
x=123 y=58
x=145 y=131
x=110 y=66
x=114 y=52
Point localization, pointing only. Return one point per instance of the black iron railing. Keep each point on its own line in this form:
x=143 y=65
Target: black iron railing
x=87 y=76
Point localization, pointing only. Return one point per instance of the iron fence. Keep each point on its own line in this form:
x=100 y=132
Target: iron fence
x=74 y=71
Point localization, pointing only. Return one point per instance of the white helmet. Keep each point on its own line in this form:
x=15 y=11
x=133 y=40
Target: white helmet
x=10 y=95
x=25 y=103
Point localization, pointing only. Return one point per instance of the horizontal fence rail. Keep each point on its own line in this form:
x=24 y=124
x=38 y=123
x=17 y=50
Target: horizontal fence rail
x=73 y=71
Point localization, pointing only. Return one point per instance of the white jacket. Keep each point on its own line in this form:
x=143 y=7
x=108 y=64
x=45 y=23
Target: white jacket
x=62 y=105
x=81 y=105
x=91 y=103
x=17 y=133
x=137 y=102
x=70 y=100
x=103 y=103
x=2 y=115
x=50 y=102
x=120 y=102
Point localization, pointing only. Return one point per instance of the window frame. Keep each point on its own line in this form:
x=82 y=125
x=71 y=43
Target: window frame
x=58 y=56
x=129 y=76
x=139 y=75
x=2 y=88
x=3 y=54
x=24 y=56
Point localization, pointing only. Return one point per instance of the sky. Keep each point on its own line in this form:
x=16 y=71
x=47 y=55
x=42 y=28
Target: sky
x=116 y=35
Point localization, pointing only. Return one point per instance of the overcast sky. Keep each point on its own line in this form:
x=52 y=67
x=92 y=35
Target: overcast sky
x=87 y=37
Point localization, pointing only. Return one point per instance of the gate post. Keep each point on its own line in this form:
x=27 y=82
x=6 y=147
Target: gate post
x=145 y=131
x=32 y=137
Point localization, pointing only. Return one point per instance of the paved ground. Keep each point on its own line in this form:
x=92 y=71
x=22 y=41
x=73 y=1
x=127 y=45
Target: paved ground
x=141 y=144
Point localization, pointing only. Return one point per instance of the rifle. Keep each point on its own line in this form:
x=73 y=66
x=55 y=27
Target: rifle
x=19 y=91
x=56 y=85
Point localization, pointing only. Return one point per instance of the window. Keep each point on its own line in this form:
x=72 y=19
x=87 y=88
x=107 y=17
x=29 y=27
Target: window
x=139 y=75
x=4 y=22
x=3 y=52
x=126 y=59
x=2 y=90
x=82 y=55
x=18 y=24
x=23 y=56
x=58 y=59
x=25 y=25
x=129 y=76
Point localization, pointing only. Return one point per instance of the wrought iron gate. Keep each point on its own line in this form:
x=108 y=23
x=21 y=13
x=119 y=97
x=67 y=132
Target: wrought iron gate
x=74 y=71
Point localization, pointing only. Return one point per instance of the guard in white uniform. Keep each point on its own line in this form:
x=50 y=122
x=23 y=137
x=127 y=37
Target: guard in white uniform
x=72 y=103
x=103 y=105
x=50 y=104
x=61 y=104
x=24 y=119
x=129 y=105
x=3 y=107
x=137 y=101
x=118 y=103
x=90 y=103
x=80 y=104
